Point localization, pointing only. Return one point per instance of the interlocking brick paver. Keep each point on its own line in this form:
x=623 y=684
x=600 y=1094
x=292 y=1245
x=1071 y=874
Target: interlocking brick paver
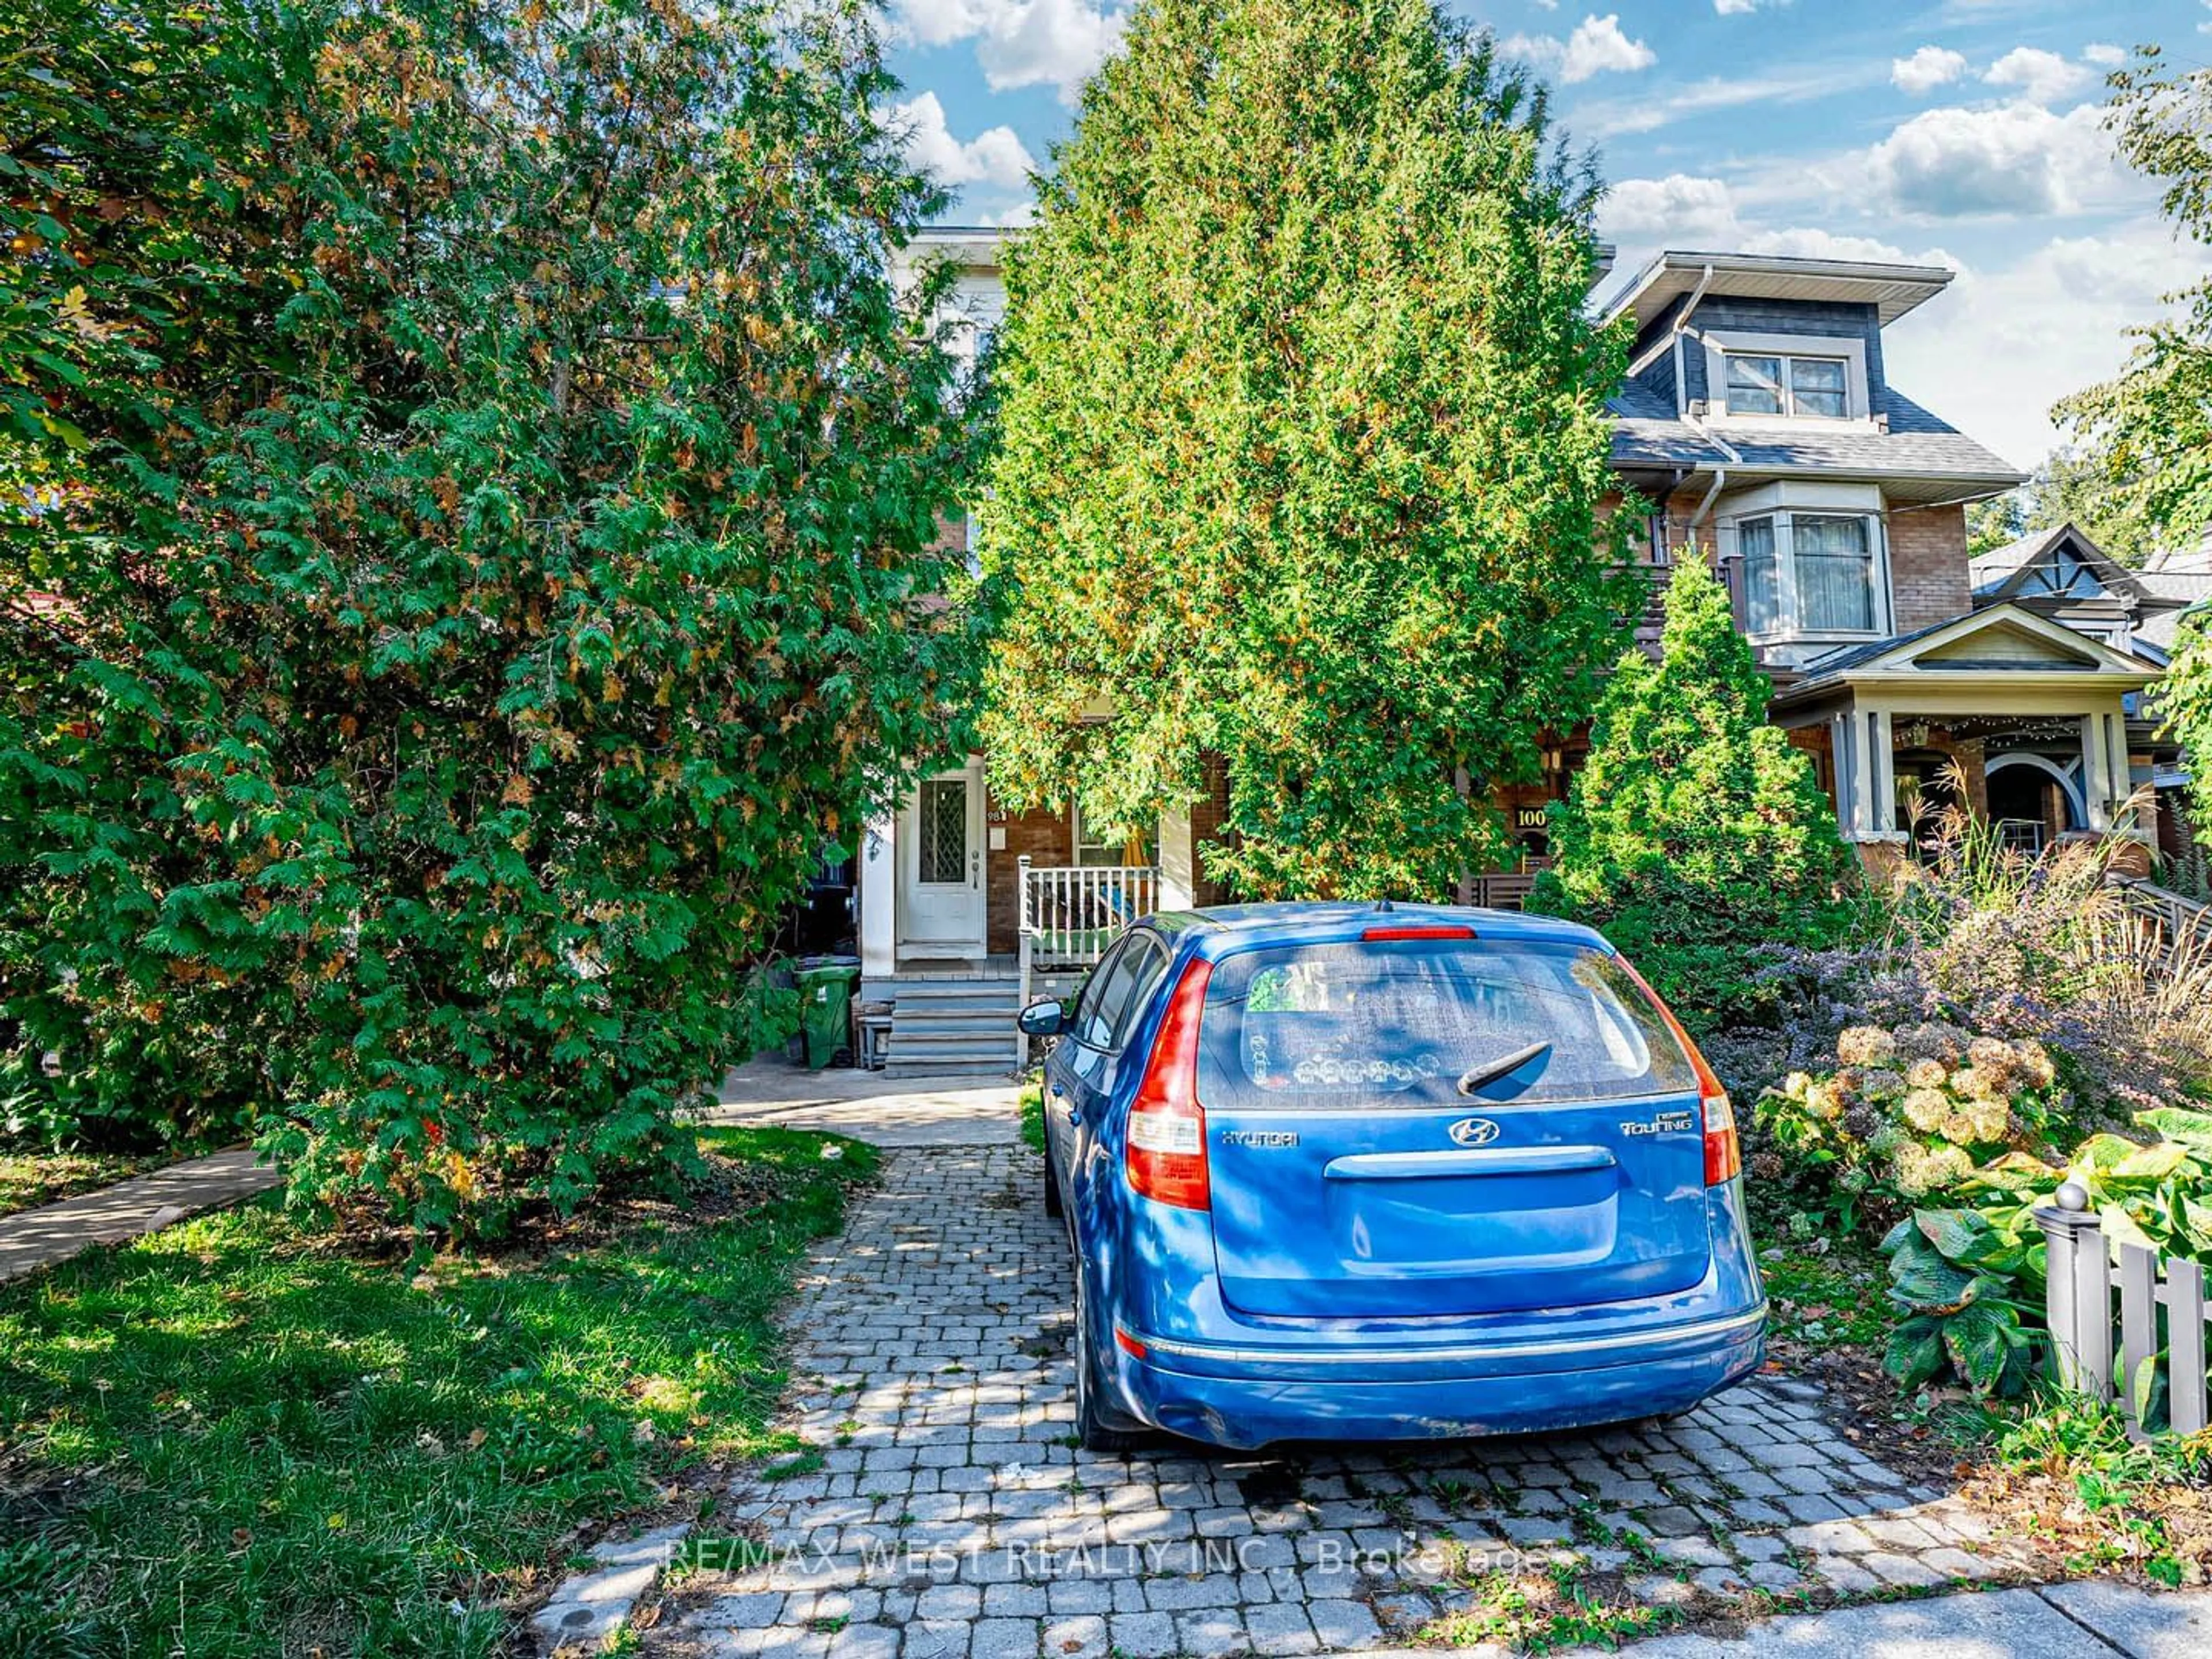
x=953 y=1518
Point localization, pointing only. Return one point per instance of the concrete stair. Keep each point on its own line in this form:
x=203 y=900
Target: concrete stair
x=951 y=1027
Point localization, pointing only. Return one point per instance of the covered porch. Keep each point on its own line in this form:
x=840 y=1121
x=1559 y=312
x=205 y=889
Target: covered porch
x=2030 y=719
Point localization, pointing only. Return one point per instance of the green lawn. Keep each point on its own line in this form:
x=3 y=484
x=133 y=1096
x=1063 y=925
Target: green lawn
x=233 y=1437
x=30 y=1179
x=1032 y=1101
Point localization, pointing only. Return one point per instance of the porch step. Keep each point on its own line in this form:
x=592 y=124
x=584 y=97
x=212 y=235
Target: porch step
x=951 y=1027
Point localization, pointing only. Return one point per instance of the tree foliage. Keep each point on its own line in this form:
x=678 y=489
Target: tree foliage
x=467 y=486
x=2151 y=426
x=1303 y=445
x=1697 y=833
x=2070 y=485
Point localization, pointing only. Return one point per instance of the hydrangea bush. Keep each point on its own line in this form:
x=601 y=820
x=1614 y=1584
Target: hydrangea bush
x=1903 y=1114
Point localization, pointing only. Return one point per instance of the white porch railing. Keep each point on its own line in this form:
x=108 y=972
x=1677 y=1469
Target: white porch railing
x=1070 y=913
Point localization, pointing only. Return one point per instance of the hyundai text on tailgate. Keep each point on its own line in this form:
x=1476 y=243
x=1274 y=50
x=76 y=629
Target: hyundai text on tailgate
x=1371 y=1173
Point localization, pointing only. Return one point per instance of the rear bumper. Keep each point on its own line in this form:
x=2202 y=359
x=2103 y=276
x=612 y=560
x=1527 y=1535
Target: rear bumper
x=1242 y=1396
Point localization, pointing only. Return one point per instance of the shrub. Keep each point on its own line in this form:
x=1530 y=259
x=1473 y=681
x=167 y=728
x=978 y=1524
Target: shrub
x=484 y=547
x=1903 y=1115
x=1969 y=1280
x=1697 y=835
x=1986 y=938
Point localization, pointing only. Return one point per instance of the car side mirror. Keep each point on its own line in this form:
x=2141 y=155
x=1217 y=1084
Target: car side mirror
x=1043 y=1018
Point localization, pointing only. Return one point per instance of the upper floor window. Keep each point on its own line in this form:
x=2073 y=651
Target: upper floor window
x=1760 y=384
x=1811 y=573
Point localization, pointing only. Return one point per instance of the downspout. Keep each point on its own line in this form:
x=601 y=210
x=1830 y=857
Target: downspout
x=1681 y=323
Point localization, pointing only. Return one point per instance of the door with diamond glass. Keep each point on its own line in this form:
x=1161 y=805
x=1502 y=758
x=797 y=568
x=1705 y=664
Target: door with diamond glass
x=941 y=902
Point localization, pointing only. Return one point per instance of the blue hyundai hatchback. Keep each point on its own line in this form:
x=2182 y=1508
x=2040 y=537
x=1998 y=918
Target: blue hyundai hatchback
x=1359 y=1172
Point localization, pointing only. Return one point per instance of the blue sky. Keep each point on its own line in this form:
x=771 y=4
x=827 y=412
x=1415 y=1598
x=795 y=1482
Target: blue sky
x=1963 y=132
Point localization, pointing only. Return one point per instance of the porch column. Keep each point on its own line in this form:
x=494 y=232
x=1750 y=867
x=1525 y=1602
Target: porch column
x=2096 y=774
x=2116 y=750
x=1178 y=860
x=878 y=896
x=1844 y=751
x=1882 y=773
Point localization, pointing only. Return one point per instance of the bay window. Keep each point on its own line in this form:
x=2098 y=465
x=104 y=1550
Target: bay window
x=1812 y=573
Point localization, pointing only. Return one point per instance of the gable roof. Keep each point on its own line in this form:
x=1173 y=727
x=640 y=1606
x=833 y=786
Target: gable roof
x=2003 y=638
x=2003 y=572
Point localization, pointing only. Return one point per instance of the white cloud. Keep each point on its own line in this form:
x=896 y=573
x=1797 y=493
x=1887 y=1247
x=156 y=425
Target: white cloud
x=1019 y=42
x=1678 y=211
x=1663 y=105
x=2003 y=343
x=1597 y=46
x=1815 y=242
x=2103 y=56
x=2021 y=159
x=2039 y=76
x=1735 y=8
x=994 y=156
x=1926 y=70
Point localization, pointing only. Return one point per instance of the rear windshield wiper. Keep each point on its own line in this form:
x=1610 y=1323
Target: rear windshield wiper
x=1491 y=1070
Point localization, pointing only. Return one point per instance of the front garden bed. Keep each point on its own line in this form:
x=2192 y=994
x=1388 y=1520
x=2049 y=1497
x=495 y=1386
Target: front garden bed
x=238 y=1437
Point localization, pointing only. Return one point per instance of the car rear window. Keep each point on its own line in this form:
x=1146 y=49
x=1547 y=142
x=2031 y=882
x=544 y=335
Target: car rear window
x=1399 y=1022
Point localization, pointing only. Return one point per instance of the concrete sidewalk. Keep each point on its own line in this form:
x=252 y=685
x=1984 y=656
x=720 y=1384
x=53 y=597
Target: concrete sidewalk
x=769 y=1092
x=32 y=1239
x=2085 y=1620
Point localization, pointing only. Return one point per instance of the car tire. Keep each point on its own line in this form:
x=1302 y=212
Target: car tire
x=1093 y=1428
x=1053 y=1206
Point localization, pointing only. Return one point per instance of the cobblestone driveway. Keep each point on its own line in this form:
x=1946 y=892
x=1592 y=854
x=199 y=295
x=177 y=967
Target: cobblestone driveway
x=951 y=1515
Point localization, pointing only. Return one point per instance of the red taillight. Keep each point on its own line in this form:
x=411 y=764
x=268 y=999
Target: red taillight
x=1440 y=930
x=1128 y=1344
x=1723 y=1152
x=1167 y=1125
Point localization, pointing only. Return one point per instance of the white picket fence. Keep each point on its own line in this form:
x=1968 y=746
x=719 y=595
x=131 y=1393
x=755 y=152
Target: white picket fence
x=2155 y=1306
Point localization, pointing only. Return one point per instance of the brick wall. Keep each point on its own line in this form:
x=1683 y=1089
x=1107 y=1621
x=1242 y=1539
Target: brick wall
x=1048 y=837
x=1205 y=820
x=1928 y=565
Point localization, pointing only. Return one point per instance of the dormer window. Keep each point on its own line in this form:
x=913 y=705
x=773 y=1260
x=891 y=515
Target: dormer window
x=1758 y=384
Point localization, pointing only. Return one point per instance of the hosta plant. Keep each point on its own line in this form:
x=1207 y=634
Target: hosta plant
x=1969 y=1280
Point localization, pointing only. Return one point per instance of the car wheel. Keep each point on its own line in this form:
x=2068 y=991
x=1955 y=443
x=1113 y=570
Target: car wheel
x=1093 y=1428
x=1052 y=1204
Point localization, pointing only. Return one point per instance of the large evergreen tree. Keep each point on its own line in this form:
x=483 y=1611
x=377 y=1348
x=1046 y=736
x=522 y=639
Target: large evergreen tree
x=1303 y=444
x=1695 y=833
x=468 y=488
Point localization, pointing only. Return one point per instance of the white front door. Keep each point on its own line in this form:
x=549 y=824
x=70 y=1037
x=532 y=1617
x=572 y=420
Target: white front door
x=941 y=866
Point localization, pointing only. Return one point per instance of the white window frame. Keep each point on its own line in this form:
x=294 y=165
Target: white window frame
x=1720 y=344
x=1786 y=385
x=1789 y=624
x=1075 y=840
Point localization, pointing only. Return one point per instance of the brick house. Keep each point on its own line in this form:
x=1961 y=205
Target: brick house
x=1759 y=420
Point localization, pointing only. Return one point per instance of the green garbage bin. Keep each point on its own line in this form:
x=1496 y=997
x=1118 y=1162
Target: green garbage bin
x=825 y=996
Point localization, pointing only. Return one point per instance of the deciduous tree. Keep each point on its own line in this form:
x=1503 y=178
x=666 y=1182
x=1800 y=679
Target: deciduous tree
x=471 y=484
x=2152 y=425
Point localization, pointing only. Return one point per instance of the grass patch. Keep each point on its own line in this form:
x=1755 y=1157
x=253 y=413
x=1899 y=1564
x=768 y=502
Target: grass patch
x=30 y=1179
x=1032 y=1101
x=233 y=1437
x=1834 y=1291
